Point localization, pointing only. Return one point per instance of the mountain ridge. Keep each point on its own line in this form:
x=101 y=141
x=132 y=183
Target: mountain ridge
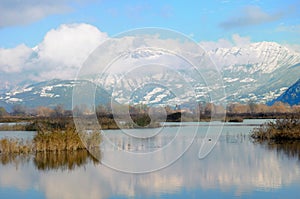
x=291 y=96
x=258 y=72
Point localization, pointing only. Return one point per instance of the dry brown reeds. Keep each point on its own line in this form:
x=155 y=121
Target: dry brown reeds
x=287 y=128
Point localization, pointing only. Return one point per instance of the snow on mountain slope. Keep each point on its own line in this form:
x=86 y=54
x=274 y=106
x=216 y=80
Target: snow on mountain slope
x=259 y=72
x=291 y=96
x=48 y=93
x=263 y=57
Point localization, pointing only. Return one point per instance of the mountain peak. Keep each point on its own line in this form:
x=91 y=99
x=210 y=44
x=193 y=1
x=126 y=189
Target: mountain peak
x=265 y=57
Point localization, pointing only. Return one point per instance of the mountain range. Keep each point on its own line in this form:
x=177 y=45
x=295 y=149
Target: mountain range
x=49 y=94
x=291 y=96
x=257 y=72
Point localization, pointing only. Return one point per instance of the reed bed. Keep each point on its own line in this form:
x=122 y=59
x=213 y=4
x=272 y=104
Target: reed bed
x=52 y=136
x=287 y=128
x=15 y=127
x=15 y=145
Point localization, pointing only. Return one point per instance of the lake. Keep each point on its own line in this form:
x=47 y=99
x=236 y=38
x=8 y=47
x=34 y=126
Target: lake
x=186 y=160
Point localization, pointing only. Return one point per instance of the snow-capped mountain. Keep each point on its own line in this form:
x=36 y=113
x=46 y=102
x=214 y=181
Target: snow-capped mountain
x=264 y=57
x=48 y=93
x=291 y=96
x=259 y=72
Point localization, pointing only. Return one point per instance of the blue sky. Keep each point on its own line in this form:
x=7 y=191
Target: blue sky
x=27 y=22
x=46 y=39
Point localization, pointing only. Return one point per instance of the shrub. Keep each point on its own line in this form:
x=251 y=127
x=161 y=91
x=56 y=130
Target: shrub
x=287 y=128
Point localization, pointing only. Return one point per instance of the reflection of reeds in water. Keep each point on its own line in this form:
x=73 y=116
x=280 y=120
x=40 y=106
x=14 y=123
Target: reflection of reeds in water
x=291 y=149
x=66 y=160
x=14 y=159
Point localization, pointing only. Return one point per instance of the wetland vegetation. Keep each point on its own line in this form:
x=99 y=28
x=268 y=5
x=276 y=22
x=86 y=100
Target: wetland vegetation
x=279 y=130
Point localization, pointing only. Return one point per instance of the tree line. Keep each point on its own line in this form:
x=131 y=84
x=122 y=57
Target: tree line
x=107 y=111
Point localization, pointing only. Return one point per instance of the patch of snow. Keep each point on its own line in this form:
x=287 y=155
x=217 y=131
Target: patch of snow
x=27 y=89
x=226 y=79
x=15 y=100
x=248 y=80
x=44 y=91
x=153 y=92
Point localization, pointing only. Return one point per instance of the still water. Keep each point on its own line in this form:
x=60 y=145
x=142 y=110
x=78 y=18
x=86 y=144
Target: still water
x=235 y=168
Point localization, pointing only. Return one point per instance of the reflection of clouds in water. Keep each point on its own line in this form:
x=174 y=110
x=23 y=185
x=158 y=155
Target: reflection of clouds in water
x=22 y=177
x=234 y=164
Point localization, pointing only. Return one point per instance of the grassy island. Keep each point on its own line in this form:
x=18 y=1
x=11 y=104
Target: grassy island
x=52 y=136
x=283 y=129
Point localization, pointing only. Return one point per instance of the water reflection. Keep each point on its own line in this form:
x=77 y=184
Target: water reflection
x=236 y=166
x=14 y=159
x=64 y=160
x=288 y=148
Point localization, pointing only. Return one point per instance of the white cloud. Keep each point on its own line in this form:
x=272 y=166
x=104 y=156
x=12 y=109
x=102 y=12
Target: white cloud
x=240 y=41
x=64 y=49
x=236 y=40
x=251 y=15
x=211 y=45
x=13 y=60
x=294 y=47
x=70 y=45
x=290 y=28
x=16 y=12
x=59 y=55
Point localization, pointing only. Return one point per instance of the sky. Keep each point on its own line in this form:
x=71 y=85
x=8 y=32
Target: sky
x=37 y=37
x=27 y=22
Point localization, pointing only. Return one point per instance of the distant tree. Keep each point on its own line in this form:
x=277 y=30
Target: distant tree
x=118 y=109
x=19 y=110
x=76 y=111
x=168 y=110
x=279 y=107
x=81 y=109
x=219 y=109
x=238 y=108
x=3 y=112
x=101 y=110
x=262 y=108
x=58 y=111
x=201 y=107
x=133 y=110
x=296 y=109
x=44 y=111
x=252 y=106
x=209 y=109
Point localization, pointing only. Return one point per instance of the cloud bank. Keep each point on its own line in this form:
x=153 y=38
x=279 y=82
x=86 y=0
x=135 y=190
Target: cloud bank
x=251 y=15
x=236 y=40
x=64 y=49
x=59 y=55
x=16 y=12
